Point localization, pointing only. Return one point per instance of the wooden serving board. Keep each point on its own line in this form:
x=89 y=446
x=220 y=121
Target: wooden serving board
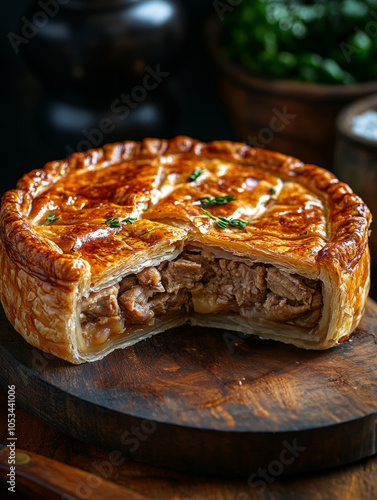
x=209 y=401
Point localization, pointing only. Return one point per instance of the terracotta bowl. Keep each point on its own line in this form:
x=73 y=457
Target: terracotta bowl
x=356 y=160
x=292 y=117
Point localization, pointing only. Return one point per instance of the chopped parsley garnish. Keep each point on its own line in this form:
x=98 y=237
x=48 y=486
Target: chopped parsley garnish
x=223 y=222
x=50 y=219
x=219 y=200
x=116 y=222
x=272 y=190
x=196 y=173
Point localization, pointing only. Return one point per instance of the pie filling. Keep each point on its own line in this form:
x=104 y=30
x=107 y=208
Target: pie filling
x=198 y=281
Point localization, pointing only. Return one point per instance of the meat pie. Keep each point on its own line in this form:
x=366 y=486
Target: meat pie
x=114 y=245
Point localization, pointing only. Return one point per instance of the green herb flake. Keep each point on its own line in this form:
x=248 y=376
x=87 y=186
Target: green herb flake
x=208 y=214
x=218 y=200
x=129 y=220
x=115 y=222
x=51 y=219
x=196 y=173
x=112 y=222
x=221 y=224
x=224 y=222
x=272 y=190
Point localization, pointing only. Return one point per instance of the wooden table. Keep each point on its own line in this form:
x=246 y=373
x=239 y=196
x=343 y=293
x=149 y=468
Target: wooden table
x=354 y=482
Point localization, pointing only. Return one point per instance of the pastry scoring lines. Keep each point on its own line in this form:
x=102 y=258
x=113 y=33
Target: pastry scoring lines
x=164 y=185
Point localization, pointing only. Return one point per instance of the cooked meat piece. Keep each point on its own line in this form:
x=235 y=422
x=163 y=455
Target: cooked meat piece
x=204 y=259
x=151 y=276
x=250 y=285
x=226 y=268
x=225 y=292
x=310 y=283
x=181 y=273
x=200 y=257
x=134 y=303
x=164 y=302
x=316 y=301
x=237 y=280
x=278 y=309
x=215 y=296
x=127 y=283
x=103 y=303
x=287 y=286
x=309 y=319
x=159 y=303
x=222 y=284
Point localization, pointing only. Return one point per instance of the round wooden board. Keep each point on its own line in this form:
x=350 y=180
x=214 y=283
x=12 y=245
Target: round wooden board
x=209 y=401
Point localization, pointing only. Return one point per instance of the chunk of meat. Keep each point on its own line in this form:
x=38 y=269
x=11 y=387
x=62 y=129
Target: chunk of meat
x=309 y=319
x=227 y=268
x=141 y=305
x=279 y=309
x=127 y=283
x=316 y=300
x=287 y=285
x=234 y=283
x=103 y=303
x=134 y=304
x=181 y=273
x=200 y=257
x=310 y=283
x=150 y=276
x=164 y=302
x=250 y=284
x=217 y=295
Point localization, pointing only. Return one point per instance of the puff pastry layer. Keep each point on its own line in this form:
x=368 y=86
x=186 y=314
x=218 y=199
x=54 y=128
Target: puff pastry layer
x=295 y=270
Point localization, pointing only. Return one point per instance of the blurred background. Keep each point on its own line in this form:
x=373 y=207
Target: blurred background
x=59 y=82
x=295 y=76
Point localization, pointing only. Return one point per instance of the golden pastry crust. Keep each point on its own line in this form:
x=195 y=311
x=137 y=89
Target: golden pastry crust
x=303 y=221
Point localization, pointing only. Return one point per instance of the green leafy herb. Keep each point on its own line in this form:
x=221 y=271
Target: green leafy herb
x=50 y=219
x=116 y=222
x=208 y=214
x=224 y=222
x=196 y=173
x=219 y=200
x=112 y=222
x=316 y=41
x=272 y=190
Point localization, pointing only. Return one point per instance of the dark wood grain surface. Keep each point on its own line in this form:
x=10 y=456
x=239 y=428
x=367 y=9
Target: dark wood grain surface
x=210 y=402
x=42 y=477
x=353 y=482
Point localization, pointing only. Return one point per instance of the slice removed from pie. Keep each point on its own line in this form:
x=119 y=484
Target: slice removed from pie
x=114 y=245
